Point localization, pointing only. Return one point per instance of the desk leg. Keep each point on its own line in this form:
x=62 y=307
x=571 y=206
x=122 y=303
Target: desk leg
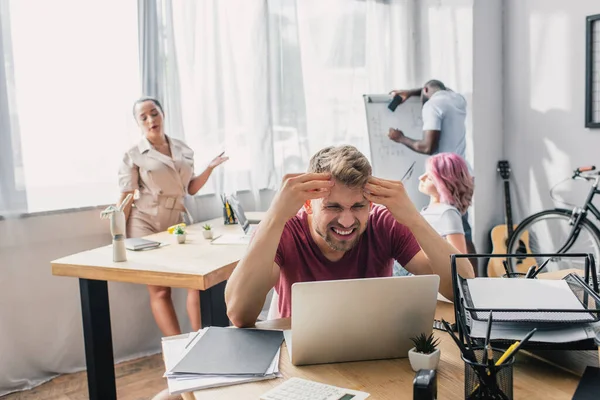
x=98 y=340
x=212 y=306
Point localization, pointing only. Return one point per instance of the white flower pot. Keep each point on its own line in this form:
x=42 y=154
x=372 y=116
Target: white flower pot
x=423 y=361
x=207 y=234
x=181 y=238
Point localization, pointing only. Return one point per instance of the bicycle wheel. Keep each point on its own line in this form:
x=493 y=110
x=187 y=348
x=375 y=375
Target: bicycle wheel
x=547 y=232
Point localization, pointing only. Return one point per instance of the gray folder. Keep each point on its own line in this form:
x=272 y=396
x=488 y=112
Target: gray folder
x=228 y=351
x=137 y=244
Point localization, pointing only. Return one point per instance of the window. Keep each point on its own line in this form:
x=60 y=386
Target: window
x=76 y=76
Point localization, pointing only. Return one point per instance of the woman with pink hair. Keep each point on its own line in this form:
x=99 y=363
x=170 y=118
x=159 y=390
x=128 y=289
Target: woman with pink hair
x=449 y=185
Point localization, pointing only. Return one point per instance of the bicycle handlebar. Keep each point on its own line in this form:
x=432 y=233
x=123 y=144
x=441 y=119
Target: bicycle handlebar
x=577 y=174
x=586 y=169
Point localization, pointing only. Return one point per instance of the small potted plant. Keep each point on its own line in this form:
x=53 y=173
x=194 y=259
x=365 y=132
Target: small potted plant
x=207 y=232
x=425 y=354
x=179 y=233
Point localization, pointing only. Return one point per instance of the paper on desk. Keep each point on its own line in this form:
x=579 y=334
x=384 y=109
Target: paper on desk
x=173 y=349
x=517 y=331
x=440 y=297
x=287 y=336
x=530 y=294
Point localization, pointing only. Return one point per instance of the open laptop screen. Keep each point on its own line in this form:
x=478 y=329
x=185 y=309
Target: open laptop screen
x=239 y=213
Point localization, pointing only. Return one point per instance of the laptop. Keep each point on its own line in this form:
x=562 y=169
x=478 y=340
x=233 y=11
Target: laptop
x=359 y=319
x=248 y=226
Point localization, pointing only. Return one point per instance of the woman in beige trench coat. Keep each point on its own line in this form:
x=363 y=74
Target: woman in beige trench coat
x=161 y=169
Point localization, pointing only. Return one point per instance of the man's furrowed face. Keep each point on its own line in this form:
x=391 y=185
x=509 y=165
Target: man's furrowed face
x=341 y=217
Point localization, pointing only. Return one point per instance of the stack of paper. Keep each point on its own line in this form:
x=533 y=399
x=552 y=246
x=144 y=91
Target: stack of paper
x=539 y=296
x=215 y=357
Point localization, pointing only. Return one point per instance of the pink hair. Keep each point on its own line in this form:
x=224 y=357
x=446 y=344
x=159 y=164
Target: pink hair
x=451 y=178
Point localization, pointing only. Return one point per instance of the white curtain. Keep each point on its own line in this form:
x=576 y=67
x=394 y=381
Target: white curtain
x=12 y=193
x=350 y=48
x=216 y=72
x=271 y=82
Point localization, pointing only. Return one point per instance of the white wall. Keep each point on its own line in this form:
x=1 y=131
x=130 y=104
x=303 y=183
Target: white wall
x=461 y=45
x=40 y=315
x=544 y=98
x=486 y=137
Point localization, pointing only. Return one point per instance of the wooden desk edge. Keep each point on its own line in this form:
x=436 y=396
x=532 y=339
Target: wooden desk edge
x=170 y=279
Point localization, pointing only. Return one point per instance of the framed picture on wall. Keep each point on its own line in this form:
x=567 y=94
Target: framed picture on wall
x=592 y=72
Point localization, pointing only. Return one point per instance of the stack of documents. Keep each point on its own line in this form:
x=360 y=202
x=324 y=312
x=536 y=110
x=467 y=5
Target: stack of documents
x=216 y=356
x=539 y=296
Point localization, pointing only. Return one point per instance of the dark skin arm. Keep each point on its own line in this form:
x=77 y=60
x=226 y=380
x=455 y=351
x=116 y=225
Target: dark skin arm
x=428 y=145
x=405 y=94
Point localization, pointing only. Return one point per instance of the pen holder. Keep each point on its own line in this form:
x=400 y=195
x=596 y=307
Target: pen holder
x=228 y=216
x=496 y=386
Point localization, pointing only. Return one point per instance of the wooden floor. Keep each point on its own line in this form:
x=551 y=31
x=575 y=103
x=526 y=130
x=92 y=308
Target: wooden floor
x=139 y=379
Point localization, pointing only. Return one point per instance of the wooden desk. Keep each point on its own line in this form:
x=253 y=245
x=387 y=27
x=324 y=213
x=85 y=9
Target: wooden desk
x=393 y=379
x=534 y=377
x=194 y=265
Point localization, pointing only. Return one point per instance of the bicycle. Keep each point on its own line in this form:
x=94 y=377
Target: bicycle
x=562 y=230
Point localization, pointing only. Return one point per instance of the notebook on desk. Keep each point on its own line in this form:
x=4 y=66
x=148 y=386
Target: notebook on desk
x=234 y=352
x=175 y=346
x=242 y=238
x=137 y=244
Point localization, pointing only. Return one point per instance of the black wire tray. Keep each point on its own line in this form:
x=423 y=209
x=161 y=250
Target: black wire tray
x=585 y=290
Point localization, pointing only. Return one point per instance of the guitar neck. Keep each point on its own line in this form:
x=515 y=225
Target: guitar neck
x=508 y=209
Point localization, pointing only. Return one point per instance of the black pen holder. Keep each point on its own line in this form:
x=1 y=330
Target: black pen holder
x=228 y=216
x=480 y=384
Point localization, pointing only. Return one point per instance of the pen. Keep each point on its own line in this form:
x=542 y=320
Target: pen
x=486 y=347
x=505 y=264
x=507 y=353
x=530 y=272
x=537 y=271
x=521 y=343
x=468 y=354
x=194 y=338
x=215 y=238
x=463 y=328
x=490 y=362
x=489 y=329
x=221 y=154
x=408 y=172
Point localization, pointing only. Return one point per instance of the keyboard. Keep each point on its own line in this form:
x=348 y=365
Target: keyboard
x=302 y=389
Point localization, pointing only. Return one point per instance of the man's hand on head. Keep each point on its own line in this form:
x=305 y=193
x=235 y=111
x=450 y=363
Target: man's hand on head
x=295 y=190
x=395 y=134
x=393 y=196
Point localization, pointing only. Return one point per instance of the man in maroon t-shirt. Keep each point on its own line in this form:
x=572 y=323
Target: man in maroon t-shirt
x=338 y=234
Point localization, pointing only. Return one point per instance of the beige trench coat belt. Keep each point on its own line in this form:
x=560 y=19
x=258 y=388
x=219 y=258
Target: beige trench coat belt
x=171 y=203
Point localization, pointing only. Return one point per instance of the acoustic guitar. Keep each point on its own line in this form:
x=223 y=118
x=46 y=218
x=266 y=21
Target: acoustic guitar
x=501 y=233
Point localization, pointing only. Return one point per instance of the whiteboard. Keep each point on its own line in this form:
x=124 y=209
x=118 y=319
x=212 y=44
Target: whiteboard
x=390 y=160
